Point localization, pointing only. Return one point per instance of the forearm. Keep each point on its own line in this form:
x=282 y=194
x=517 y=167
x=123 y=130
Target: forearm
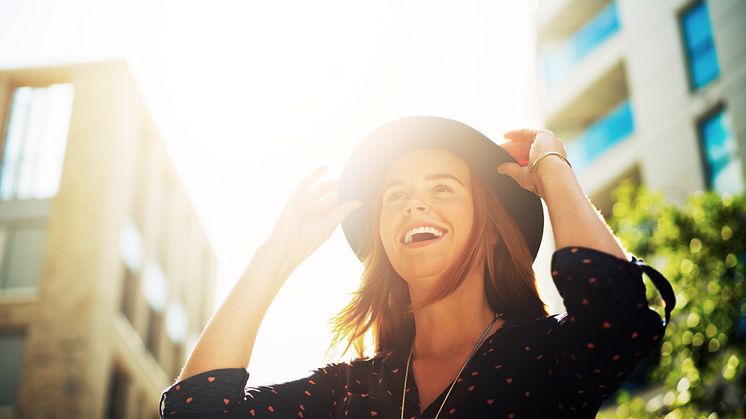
x=228 y=338
x=575 y=221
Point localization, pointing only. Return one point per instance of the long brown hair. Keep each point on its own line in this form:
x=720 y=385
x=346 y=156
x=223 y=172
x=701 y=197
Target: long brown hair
x=382 y=302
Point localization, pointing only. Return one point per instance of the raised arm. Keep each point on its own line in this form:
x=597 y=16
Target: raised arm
x=309 y=218
x=608 y=327
x=228 y=338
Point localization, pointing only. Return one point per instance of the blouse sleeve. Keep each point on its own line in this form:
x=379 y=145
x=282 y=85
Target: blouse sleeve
x=222 y=393
x=608 y=327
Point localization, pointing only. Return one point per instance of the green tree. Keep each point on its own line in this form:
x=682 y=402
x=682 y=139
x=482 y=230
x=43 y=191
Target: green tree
x=701 y=248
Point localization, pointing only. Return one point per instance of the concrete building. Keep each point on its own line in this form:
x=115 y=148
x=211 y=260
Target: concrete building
x=649 y=91
x=106 y=275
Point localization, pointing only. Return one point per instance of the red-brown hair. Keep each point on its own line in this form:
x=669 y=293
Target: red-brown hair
x=382 y=302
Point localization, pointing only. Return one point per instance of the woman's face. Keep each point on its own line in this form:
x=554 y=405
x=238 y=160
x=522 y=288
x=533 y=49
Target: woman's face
x=429 y=189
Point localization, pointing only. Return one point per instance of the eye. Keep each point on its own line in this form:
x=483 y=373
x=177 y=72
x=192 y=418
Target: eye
x=442 y=187
x=394 y=196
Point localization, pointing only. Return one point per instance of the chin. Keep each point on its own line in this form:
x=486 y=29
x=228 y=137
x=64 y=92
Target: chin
x=413 y=274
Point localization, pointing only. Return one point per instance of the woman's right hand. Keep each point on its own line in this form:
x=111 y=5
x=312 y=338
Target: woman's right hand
x=309 y=218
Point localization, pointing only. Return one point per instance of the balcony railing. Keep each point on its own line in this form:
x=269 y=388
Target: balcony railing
x=601 y=136
x=560 y=61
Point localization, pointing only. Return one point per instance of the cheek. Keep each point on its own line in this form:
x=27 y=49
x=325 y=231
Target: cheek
x=385 y=229
x=465 y=218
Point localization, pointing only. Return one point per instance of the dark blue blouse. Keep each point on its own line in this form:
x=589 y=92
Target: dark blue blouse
x=560 y=366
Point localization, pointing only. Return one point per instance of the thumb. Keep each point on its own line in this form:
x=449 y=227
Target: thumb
x=511 y=169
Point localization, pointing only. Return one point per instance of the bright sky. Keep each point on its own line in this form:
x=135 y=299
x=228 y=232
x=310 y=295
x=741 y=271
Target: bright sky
x=251 y=96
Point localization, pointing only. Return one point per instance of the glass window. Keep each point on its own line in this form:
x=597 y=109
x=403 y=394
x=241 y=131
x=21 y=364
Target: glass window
x=128 y=302
x=22 y=255
x=116 y=406
x=35 y=142
x=12 y=347
x=723 y=168
x=131 y=249
x=153 y=338
x=155 y=290
x=700 y=47
x=130 y=245
x=176 y=322
x=601 y=136
x=155 y=286
x=561 y=60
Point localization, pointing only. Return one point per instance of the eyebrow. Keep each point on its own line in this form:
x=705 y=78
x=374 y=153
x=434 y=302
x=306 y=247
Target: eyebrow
x=435 y=176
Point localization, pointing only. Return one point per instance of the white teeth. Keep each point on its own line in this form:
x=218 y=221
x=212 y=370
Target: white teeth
x=424 y=229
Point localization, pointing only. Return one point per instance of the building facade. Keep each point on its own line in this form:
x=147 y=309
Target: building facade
x=106 y=276
x=654 y=92
x=648 y=91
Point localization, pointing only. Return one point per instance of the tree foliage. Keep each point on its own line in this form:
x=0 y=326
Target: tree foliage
x=701 y=248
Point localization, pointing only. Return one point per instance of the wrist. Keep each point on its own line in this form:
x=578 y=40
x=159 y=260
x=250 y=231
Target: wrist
x=551 y=175
x=274 y=257
x=551 y=162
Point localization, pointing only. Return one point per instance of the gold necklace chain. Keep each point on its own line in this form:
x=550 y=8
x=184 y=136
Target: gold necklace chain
x=471 y=354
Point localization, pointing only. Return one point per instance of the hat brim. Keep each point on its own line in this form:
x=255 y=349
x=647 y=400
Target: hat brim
x=367 y=166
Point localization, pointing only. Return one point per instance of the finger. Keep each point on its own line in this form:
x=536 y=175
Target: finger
x=518 y=150
x=305 y=185
x=322 y=189
x=527 y=134
x=511 y=169
x=520 y=157
x=512 y=145
x=523 y=134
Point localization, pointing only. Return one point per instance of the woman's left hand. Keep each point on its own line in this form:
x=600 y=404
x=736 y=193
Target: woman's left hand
x=526 y=145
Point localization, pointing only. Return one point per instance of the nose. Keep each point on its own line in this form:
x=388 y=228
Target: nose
x=414 y=204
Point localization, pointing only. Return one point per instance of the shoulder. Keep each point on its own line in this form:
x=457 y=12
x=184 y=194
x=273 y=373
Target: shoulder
x=356 y=364
x=540 y=322
x=583 y=258
x=538 y=326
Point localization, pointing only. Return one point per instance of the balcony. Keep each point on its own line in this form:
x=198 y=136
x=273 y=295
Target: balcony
x=601 y=136
x=560 y=59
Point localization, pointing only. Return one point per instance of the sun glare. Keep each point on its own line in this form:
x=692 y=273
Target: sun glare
x=250 y=97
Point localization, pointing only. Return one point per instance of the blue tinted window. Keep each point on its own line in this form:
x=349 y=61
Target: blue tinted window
x=560 y=61
x=601 y=136
x=723 y=166
x=700 y=47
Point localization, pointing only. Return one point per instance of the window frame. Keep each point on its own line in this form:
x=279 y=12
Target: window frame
x=689 y=7
x=719 y=108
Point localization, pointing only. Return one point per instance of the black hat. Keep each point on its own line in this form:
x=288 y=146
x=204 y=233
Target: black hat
x=367 y=165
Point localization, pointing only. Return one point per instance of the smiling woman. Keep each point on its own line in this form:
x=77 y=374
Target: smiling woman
x=440 y=192
x=446 y=224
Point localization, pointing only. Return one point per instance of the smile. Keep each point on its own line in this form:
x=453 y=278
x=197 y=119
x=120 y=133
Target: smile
x=422 y=243
x=422 y=236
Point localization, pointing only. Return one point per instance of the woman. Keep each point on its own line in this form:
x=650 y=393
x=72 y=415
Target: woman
x=447 y=225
